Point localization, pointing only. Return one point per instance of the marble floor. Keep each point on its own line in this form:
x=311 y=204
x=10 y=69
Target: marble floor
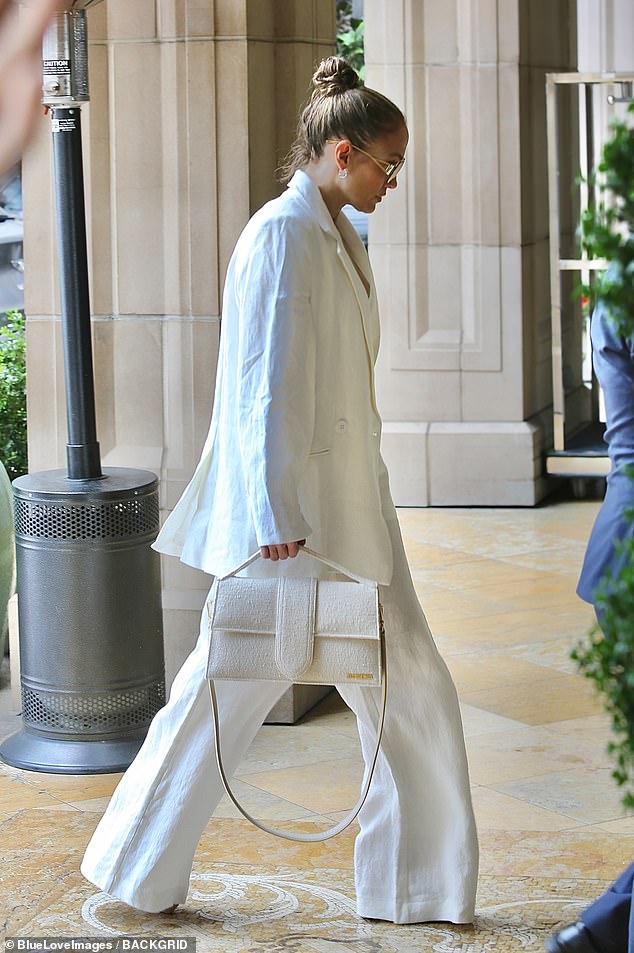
x=498 y=589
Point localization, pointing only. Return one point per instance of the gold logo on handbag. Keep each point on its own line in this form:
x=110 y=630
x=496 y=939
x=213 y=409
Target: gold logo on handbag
x=302 y=630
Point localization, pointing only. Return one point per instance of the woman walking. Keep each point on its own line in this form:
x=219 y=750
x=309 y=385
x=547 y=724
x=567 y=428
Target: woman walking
x=293 y=455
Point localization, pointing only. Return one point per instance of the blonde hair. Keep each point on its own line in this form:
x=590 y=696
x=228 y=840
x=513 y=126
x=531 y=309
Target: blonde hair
x=339 y=107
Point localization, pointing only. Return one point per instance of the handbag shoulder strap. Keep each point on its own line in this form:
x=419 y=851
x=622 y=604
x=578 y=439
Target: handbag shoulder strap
x=365 y=788
x=309 y=552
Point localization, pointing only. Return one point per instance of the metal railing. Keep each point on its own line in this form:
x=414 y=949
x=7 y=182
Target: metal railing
x=580 y=452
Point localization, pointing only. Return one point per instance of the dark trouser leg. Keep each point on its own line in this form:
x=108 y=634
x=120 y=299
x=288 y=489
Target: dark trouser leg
x=609 y=918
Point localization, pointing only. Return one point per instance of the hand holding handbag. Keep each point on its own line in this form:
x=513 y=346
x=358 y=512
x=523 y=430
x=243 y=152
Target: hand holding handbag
x=297 y=629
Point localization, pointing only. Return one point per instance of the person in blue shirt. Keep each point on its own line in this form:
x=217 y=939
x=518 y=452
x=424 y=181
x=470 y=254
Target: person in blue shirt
x=603 y=927
x=606 y=925
x=613 y=360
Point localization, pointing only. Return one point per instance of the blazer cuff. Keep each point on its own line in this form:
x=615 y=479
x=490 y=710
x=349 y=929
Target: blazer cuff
x=288 y=533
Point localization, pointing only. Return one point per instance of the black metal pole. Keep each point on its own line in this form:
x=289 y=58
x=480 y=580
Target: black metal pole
x=82 y=449
x=92 y=667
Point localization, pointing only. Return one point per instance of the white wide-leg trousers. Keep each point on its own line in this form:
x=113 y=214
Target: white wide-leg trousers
x=416 y=855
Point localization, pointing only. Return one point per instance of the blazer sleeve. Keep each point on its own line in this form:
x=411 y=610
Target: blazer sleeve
x=276 y=377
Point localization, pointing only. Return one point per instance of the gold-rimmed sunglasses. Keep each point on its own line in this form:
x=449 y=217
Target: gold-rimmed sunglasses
x=391 y=169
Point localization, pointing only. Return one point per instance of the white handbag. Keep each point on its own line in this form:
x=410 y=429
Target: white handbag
x=302 y=630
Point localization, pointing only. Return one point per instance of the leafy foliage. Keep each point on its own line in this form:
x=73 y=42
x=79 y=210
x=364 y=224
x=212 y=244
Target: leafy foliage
x=13 y=448
x=607 y=227
x=350 y=36
x=606 y=655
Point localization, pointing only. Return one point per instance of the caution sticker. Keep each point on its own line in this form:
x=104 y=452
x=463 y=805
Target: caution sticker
x=56 y=67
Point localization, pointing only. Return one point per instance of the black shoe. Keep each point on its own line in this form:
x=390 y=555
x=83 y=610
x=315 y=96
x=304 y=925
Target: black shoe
x=573 y=939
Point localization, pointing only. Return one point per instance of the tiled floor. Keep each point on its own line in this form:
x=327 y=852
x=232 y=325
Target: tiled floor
x=498 y=589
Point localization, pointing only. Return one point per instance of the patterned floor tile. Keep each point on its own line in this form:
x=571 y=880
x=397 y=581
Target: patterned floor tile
x=498 y=589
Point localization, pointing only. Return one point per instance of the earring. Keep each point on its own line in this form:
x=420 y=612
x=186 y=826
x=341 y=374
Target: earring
x=342 y=174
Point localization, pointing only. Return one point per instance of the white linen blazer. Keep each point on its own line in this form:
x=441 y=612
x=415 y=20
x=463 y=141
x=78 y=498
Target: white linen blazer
x=293 y=446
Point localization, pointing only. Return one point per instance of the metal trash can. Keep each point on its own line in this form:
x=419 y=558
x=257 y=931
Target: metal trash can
x=91 y=630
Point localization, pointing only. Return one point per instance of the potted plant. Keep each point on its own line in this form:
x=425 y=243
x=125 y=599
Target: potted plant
x=606 y=655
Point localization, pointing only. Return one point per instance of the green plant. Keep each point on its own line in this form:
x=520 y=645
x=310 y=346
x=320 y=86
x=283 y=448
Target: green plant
x=607 y=227
x=606 y=655
x=13 y=449
x=350 y=32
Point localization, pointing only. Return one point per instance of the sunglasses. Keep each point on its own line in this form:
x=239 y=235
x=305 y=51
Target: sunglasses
x=391 y=169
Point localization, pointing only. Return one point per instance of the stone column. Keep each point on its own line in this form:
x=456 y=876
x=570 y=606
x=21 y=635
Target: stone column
x=460 y=249
x=192 y=106
x=605 y=45
x=606 y=36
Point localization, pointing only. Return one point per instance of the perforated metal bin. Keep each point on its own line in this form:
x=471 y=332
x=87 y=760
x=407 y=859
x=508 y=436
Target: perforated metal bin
x=91 y=632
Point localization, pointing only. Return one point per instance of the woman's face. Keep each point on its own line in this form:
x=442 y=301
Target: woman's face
x=367 y=181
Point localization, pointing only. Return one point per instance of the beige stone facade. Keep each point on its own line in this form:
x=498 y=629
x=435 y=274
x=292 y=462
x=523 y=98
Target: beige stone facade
x=461 y=252
x=193 y=103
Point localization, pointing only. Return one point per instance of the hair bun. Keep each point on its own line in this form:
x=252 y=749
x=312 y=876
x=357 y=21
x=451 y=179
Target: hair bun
x=334 y=76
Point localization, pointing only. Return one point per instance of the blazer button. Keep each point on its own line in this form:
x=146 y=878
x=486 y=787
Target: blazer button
x=341 y=426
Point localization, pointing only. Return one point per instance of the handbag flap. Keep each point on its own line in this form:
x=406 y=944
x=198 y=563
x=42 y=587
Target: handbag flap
x=347 y=609
x=242 y=604
x=295 y=625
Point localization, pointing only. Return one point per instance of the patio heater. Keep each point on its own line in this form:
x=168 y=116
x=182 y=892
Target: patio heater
x=89 y=592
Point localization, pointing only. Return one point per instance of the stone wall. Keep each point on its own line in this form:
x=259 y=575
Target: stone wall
x=460 y=250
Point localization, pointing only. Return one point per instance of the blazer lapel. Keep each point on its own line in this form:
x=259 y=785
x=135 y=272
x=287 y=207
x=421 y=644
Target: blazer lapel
x=304 y=185
x=348 y=245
